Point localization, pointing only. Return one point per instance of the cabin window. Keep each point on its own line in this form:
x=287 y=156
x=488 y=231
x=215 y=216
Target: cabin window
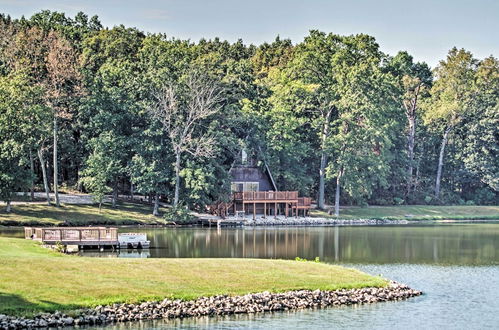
x=237 y=186
x=251 y=186
x=244 y=186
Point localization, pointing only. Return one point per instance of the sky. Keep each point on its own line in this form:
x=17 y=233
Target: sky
x=427 y=29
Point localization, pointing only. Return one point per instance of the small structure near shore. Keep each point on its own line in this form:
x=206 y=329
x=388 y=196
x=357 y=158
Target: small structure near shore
x=86 y=237
x=254 y=191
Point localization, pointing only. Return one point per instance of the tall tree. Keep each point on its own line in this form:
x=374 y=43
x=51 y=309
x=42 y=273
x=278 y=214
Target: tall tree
x=19 y=116
x=480 y=145
x=181 y=110
x=413 y=82
x=62 y=85
x=450 y=94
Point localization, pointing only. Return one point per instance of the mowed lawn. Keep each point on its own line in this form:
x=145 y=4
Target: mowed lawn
x=417 y=212
x=34 y=279
x=79 y=214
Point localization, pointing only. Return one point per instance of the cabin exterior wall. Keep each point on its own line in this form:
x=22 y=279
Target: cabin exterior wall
x=242 y=174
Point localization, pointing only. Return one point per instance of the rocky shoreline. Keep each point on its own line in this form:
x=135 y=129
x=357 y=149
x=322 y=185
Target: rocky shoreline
x=213 y=306
x=270 y=221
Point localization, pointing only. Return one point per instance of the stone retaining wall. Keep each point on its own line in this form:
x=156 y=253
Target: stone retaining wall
x=281 y=221
x=212 y=306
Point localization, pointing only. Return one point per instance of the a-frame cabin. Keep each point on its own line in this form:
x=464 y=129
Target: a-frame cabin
x=254 y=191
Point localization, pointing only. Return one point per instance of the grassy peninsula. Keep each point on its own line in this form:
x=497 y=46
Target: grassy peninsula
x=33 y=279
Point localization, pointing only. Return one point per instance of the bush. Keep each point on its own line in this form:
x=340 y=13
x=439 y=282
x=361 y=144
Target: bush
x=428 y=199
x=178 y=214
x=398 y=201
x=470 y=202
x=317 y=259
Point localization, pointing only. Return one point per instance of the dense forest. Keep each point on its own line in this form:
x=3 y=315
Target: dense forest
x=120 y=111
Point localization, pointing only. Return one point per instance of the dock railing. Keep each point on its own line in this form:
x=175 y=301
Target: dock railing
x=72 y=234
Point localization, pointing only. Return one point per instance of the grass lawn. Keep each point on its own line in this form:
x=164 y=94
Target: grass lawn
x=42 y=214
x=417 y=212
x=33 y=279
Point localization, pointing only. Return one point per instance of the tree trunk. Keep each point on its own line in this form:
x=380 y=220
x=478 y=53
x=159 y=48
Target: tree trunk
x=411 y=136
x=323 y=164
x=337 y=194
x=56 y=191
x=100 y=204
x=156 y=205
x=131 y=191
x=177 y=178
x=322 y=170
x=8 y=208
x=115 y=194
x=44 y=174
x=441 y=162
x=410 y=151
x=32 y=168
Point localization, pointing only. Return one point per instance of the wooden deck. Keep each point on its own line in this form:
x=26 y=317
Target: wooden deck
x=271 y=201
x=81 y=236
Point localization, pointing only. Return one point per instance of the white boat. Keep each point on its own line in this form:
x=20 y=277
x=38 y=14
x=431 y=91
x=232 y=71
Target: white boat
x=133 y=241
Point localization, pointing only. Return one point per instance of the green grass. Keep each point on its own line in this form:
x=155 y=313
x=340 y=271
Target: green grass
x=42 y=214
x=33 y=279
x=416 y=212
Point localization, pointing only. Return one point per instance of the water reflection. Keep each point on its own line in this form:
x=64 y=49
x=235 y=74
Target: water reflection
x=442 y=244
x=460 y=244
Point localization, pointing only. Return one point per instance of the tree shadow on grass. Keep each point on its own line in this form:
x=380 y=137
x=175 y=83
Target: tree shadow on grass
x=13 y=304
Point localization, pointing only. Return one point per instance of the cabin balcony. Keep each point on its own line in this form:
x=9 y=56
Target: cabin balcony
x=266 y=196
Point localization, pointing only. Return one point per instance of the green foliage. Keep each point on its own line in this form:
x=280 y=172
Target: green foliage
x=317 y=259
x=179 y=214
x=331 y=97
x=398 y=200
x=103 y=165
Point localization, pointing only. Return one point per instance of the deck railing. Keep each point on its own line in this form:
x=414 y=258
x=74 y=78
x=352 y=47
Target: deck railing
x=304 y=201
x=265 y=195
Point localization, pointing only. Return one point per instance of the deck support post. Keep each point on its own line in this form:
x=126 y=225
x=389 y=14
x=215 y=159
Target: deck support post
x=254 y=211
x=286 y=212
x=275 y=210
x=264 y=210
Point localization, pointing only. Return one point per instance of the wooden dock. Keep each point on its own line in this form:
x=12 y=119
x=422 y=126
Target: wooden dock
x=99 y=237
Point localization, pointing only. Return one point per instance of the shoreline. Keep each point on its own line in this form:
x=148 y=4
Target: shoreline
x=219 y=305
x=300 y=222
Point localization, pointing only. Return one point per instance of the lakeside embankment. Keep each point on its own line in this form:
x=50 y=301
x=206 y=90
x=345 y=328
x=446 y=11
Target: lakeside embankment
x=128 y=213
x=42 y=288
x=33 y=279
x=214 y=306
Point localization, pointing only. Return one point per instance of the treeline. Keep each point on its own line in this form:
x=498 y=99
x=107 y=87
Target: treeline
x=113 y=111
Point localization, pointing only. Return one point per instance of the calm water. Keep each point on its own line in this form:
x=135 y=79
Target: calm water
x=456 y=265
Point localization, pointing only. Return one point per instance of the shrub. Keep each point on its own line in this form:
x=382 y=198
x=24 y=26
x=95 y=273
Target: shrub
x=398 y=201
x=178 y=214
x=428 y=199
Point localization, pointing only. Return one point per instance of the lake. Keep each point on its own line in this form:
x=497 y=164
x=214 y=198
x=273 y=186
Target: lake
x=456 y=265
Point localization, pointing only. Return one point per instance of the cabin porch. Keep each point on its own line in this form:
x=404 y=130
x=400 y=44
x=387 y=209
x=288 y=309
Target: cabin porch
x=270 y=203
